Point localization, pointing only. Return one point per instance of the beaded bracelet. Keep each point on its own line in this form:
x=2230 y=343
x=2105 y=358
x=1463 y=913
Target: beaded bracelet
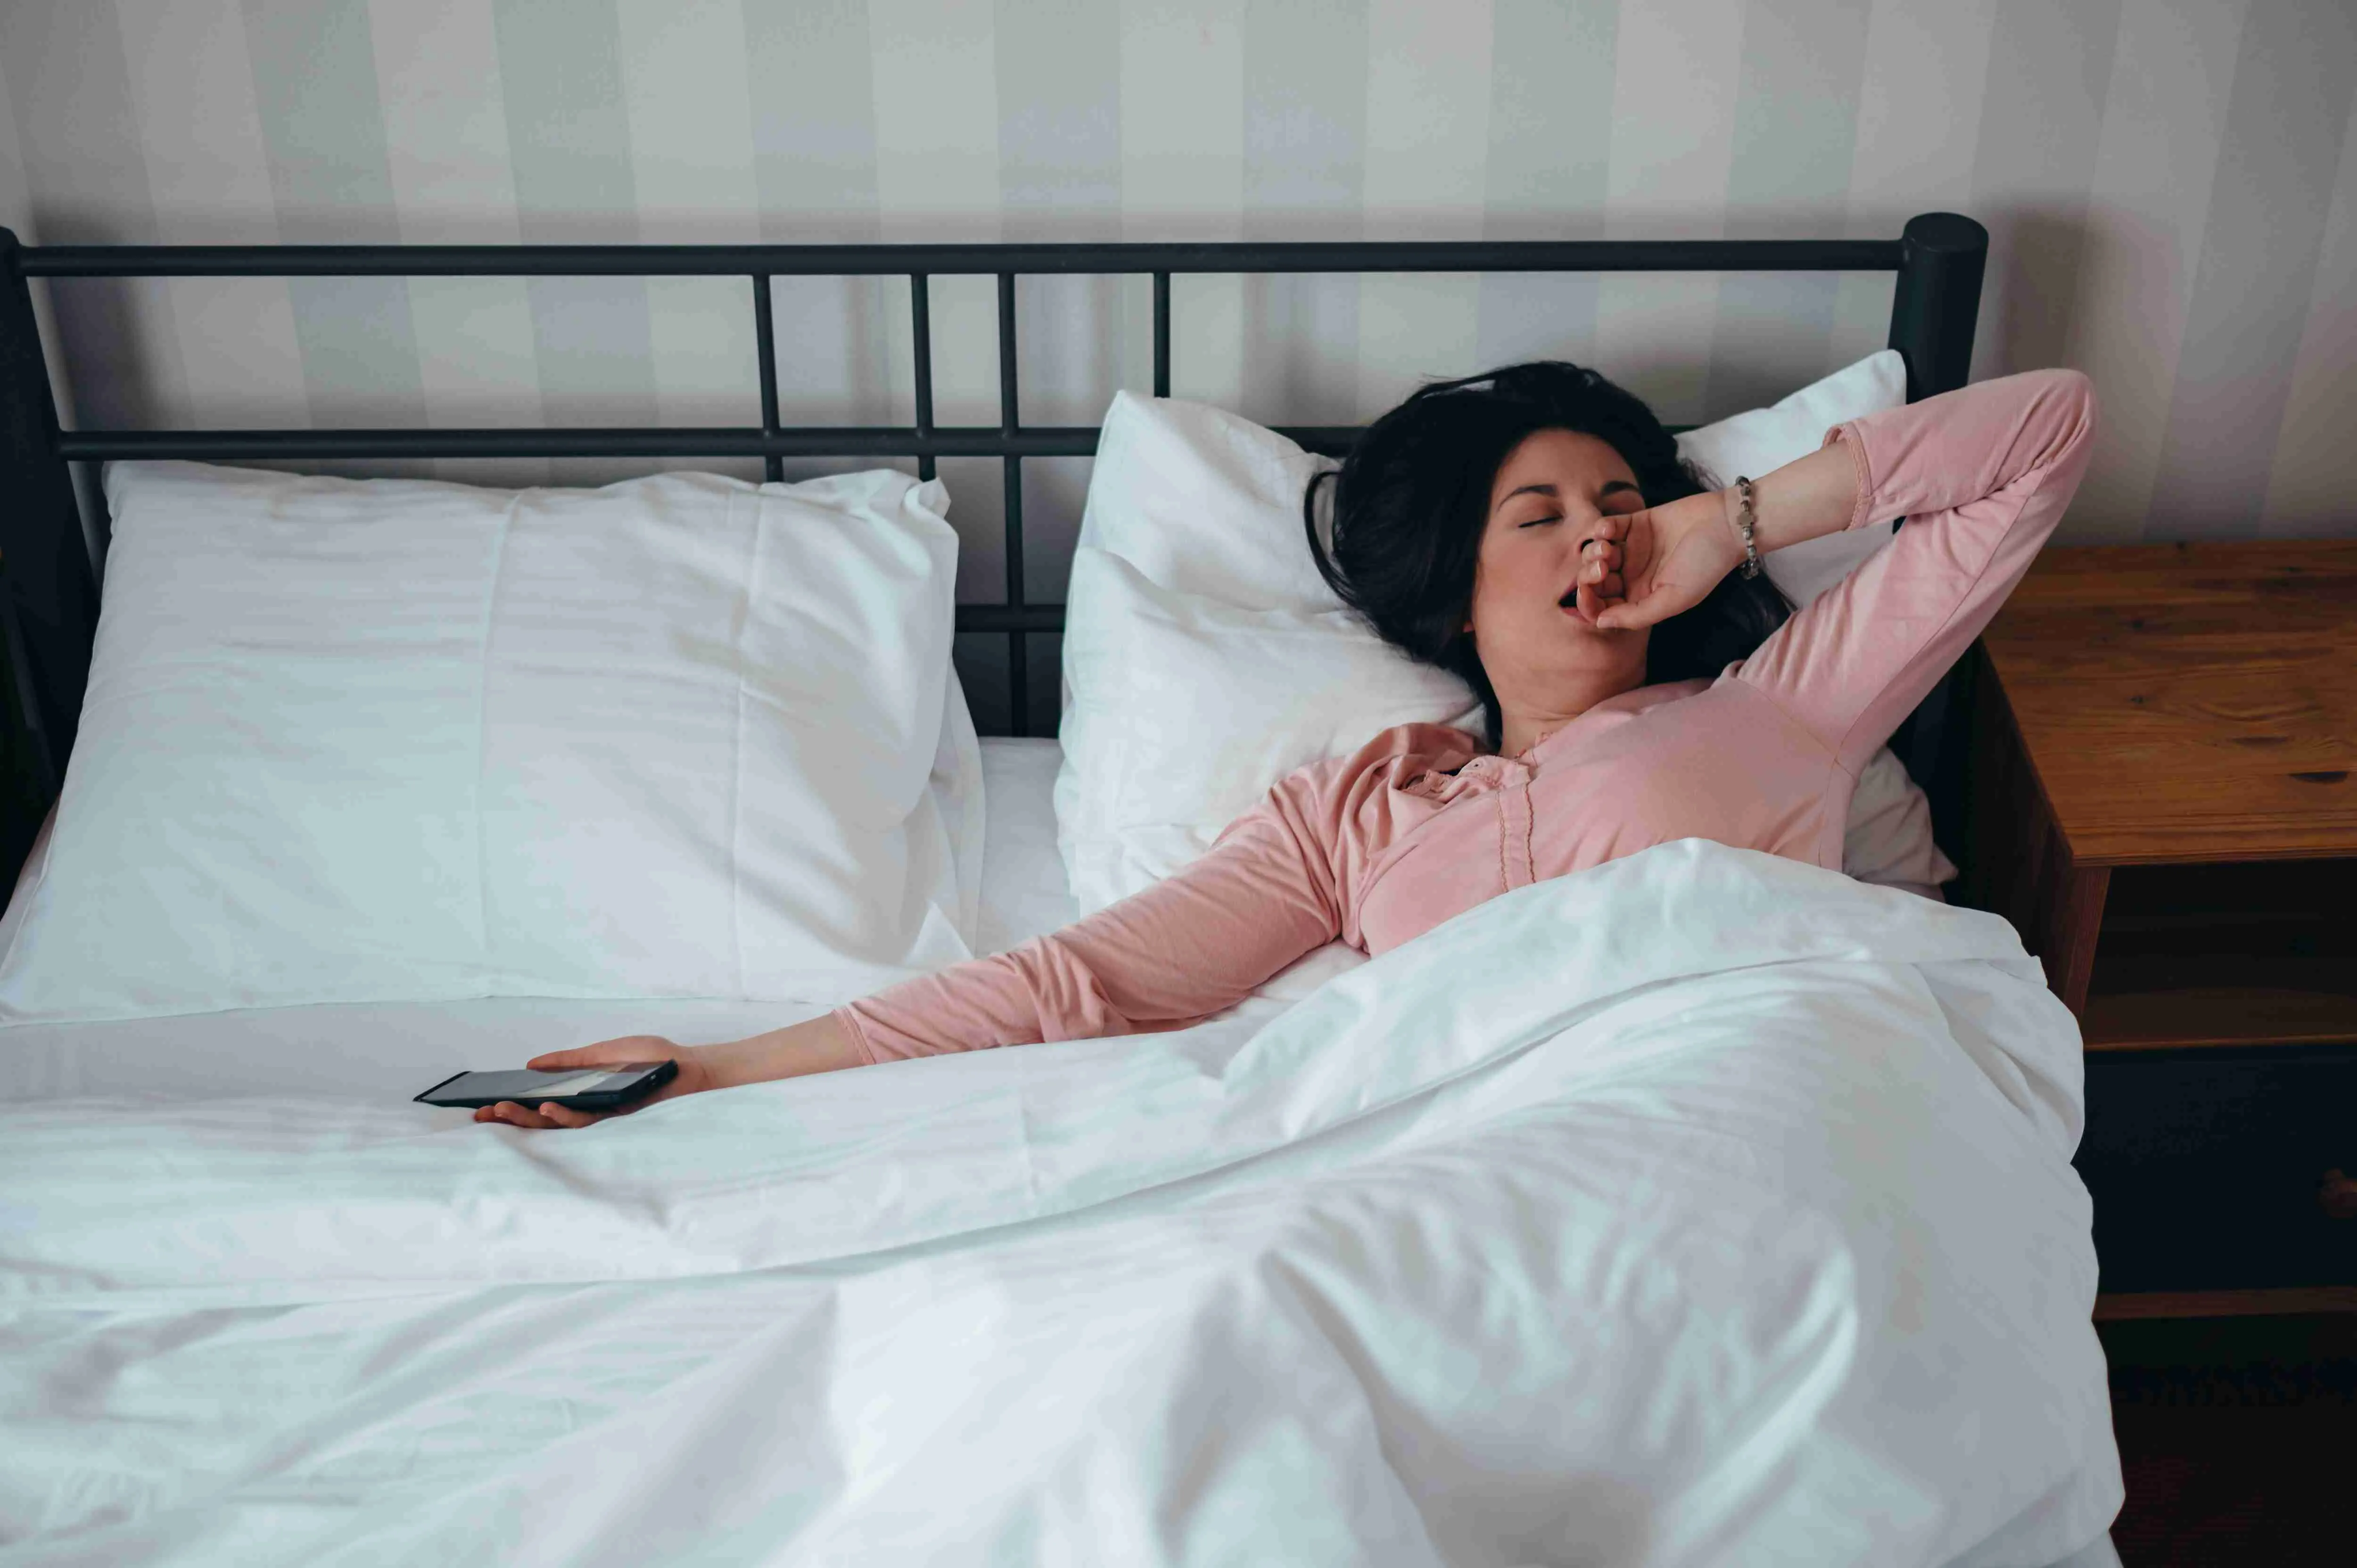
x=1746 y=522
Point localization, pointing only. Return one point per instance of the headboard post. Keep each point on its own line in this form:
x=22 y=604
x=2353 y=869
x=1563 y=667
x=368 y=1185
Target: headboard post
x=49 y=596
x=1937 y=300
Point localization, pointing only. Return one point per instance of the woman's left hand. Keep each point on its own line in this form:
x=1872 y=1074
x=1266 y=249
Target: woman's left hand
x=693 y=1077
x=1642 y=567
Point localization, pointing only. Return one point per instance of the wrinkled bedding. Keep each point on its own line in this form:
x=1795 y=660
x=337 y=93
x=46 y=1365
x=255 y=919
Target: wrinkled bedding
x=1701 y=1207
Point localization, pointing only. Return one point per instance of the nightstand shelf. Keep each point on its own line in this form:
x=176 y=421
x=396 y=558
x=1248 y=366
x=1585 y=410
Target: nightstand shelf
x=2239 y=954
x=2221 y=1016
x=2162 y=803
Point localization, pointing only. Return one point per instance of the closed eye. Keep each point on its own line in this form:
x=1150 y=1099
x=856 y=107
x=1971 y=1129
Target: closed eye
x=1536 y=520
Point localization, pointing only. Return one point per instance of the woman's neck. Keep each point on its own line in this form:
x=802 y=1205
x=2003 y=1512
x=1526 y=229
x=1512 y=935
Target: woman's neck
x=1522 y=725
x=1513 y=739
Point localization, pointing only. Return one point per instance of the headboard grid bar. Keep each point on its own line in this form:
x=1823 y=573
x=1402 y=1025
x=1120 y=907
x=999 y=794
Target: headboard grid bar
x=50 y=602
x=765 y=346
x=1019 y=644
x=629 y=441
x=878 y=261
x=1162 y=335
x=921 y=334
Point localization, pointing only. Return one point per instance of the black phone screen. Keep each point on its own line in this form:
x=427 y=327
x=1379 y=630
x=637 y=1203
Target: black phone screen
x=584 y=1088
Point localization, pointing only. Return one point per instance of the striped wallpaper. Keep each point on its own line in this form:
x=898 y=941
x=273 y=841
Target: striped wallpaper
x=2170 y=186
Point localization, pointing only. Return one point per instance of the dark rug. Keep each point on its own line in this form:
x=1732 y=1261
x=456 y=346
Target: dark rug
x=2238 y=1440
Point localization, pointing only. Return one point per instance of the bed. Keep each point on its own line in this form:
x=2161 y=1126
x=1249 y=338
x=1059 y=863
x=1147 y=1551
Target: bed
x=1730 y=1218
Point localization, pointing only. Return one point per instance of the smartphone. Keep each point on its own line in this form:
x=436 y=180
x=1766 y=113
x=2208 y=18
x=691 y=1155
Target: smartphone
x=578 y=1089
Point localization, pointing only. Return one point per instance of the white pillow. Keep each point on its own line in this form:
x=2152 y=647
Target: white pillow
x=373 y=740
x=1220 y=660
x=1759 y=439
x=1888 y=836
x=1183 y=665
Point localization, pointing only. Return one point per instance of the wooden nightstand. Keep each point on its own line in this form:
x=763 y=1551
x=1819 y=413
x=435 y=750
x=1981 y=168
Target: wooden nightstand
x=2163 y=800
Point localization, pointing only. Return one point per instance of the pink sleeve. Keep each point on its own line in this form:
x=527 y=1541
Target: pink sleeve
x=1982 y=475
x=1265 y=894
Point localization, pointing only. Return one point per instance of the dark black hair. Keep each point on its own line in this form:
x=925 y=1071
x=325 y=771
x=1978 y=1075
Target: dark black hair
x=1412 y=499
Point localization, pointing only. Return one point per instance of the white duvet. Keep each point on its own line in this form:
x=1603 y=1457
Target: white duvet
x=1701 y=1207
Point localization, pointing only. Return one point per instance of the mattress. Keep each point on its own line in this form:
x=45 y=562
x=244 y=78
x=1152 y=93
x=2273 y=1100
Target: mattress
x=370 y=1050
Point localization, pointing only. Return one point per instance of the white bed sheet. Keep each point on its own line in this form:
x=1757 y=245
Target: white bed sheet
x=1024 y=889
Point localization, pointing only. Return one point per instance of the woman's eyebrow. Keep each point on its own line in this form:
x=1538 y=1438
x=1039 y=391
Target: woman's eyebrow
x=1610 y=485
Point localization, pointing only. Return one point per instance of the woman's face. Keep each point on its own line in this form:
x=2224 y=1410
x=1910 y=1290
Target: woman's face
x=1543 y=505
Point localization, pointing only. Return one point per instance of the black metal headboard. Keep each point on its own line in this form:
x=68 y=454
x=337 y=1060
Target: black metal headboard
x=50 y=604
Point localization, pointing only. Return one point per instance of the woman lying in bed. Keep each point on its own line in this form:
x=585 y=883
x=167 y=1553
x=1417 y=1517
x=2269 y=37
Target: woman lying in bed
x=1534 y=531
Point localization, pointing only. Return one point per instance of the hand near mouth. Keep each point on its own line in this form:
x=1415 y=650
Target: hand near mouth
x=1642 y=567
x=1600 y=584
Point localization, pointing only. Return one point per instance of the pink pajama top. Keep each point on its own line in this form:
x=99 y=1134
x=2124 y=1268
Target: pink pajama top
x=1420 y=824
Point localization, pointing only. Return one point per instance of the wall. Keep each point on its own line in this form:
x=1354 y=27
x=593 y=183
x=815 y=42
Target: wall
x=2169 y=184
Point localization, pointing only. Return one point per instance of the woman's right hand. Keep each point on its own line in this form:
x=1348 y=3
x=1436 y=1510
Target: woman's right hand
x=693 y=1077
x=1662 y=560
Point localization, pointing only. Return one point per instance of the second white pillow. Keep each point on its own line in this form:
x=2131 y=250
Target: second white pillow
x=376 y=740
x=1189 y=709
